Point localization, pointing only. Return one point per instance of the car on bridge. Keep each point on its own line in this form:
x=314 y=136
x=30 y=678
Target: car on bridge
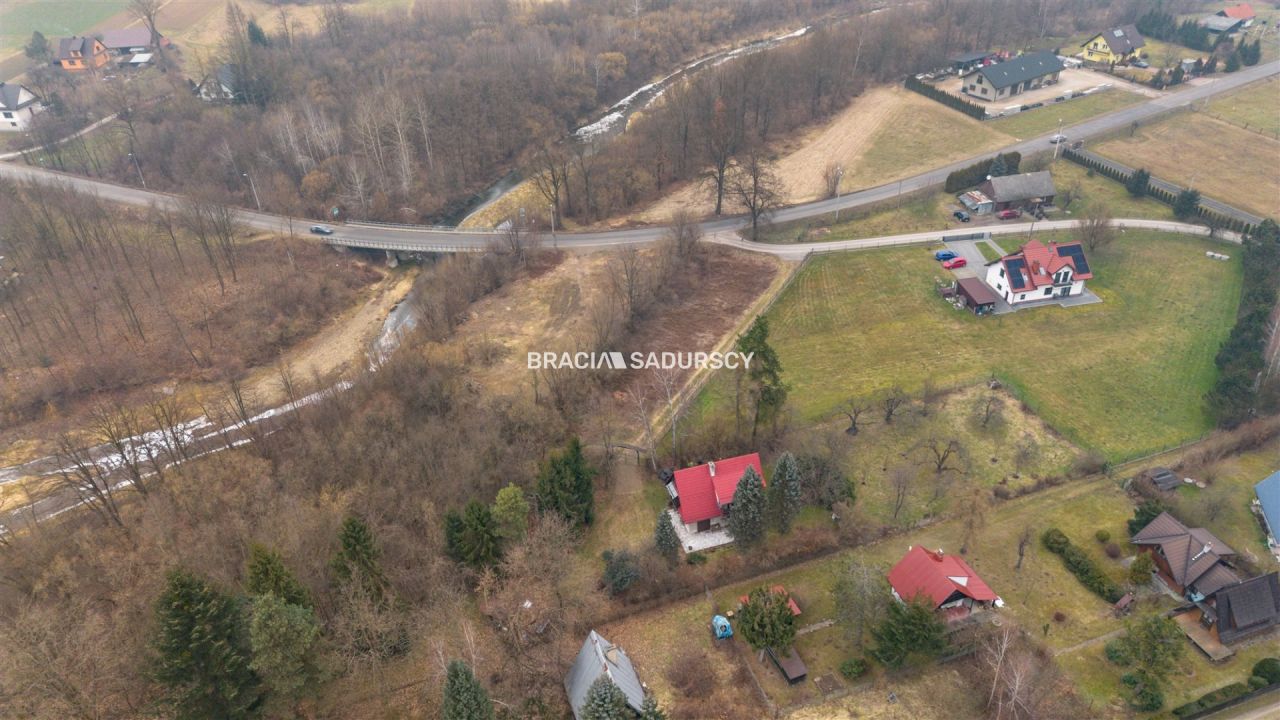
x=944 y=255
x=954 y=263
x=321 y=230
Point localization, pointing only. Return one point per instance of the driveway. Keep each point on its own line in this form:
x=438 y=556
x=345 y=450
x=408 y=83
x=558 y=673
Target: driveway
x=976 y=267
x=968 y=249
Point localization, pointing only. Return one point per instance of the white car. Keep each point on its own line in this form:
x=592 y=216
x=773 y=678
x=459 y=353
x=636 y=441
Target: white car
x=1057 y=139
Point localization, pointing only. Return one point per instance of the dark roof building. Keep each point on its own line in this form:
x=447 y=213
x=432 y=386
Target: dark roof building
x=1248 y=608
x=976 y=295
x=1163 y=478
x=1022 y=69
x=1221 y=25
x=600 y=658
x=1190 y=560
x=1009 y=190
x=1121 y=41
x=126 y=39
x=15 y=97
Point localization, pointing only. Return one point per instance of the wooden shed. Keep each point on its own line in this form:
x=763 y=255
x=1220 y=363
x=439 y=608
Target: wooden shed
x=976 y=295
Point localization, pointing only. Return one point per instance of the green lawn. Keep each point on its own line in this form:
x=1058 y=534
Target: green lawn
x=989 y=252
x=1256 y=107
x=1124 y=377
x=1042 y=120
x=919 y=214
x=54 y=18
x=1090 y=190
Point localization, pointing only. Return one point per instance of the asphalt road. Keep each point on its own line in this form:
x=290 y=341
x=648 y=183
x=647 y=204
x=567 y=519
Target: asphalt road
x=423 y=239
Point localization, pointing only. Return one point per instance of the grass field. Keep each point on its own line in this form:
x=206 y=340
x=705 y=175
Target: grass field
x=1124 y=377
x=1256 y=107
x=918 y=214
x=53 y=18
x=1042 y=120
x=1219 y=159
x=1091 y=190
x=989 y=252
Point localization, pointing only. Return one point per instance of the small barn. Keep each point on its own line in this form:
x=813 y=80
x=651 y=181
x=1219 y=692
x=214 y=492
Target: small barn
x=975 y=295
x=601 y=658
x=1247 y=608
x=789 y=664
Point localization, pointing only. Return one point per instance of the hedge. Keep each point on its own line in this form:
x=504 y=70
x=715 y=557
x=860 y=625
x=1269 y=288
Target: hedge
x=972 y=109
x=968 y=177
x=1212 y=698
x=1268 y=669
x=1081 y=565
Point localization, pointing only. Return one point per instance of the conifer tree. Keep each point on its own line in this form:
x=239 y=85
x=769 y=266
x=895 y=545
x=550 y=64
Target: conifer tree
x=478 y=543
x=285 y=642
x=784 y=492
x=464 y=697
x=1138 y=182
x=605 y=701
x=511 y=513
x=266 y=572
x=357 y=557
x=202 y=658
x=650 y=709
x=909 y=630
x=564 y=485
x=764 y=375
x=747 y=514
x=766 y=620
x=665 y=538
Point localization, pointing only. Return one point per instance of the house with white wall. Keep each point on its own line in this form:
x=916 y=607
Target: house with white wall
x=18 y=106
x=1039 y=271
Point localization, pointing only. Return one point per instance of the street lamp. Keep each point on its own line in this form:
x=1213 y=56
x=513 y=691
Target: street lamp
x=254 y=188
x=1058 y=140
x=138 y=167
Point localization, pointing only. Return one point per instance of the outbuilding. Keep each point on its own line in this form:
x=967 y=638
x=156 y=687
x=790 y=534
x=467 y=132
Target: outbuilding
x=975 y=295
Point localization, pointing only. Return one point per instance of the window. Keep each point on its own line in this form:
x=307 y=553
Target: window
x=1048 y=291
x=999 y=287
x=8 y=115
x=1023 y=296
x=1001 y=272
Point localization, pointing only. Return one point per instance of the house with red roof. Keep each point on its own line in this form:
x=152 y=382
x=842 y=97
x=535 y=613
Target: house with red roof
x=1039 y=271
x=946 y=582
x=1243 y=12
x=705 y=492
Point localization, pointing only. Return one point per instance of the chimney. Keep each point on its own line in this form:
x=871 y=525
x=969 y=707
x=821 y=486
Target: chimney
x=711 y=468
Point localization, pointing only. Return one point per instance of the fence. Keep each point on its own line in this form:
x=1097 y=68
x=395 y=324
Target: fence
x=422 y=228
x=1212 y=211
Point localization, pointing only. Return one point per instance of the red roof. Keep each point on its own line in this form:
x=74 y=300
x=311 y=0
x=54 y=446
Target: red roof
x=1243 y=11
x=1041 y=261
x=937 y=577
x=777 y=590
x=705 y=489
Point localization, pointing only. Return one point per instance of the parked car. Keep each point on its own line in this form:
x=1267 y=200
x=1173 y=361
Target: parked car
x=1057 y=138
x=954 y=263
x=943 y=255
x=960 y=215
x=1140 y=64
x=321 y=230
x=1010 y=214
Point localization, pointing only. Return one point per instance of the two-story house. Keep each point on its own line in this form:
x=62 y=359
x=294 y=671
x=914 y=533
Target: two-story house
x=77 y=54
x=18 y=106
x=1116 y=45
x=1039 y=272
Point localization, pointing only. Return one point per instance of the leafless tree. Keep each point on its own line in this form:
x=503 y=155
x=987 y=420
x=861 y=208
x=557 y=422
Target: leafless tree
x=861 y=597
x=631 y=282
x=91 y=483
x=988 y=408
x=148 y=11
x=831 y=176
x=117 y=427
x=901 y=478
x=1025 y=452
x=854 y=408
x=973 y=513
x=756 y=187
x=890 y=401
x=1024 y=541
x=1095 y=228
x=684 y=234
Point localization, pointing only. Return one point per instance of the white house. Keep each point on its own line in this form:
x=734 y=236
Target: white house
x=220 y=86
x=18 y=106
x=1039 y=271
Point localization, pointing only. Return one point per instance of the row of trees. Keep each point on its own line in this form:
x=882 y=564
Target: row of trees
x=1240 y=360
x=975 y=174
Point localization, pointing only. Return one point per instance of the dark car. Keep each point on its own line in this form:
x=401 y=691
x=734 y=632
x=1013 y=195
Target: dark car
x=960 y=215
x=321 y=230
x=943 y=255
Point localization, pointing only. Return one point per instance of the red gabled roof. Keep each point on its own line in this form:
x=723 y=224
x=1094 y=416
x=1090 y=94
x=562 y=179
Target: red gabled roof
x=937 y=577
x=702 y=494
x=1243 y=11
x=1041 y=261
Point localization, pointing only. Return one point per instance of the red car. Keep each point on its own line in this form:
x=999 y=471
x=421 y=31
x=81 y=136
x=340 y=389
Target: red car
x=954 y=263
x=1010 y=214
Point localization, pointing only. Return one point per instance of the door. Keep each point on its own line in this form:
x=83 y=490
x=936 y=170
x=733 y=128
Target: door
x=1064 y=291
x=704 y=525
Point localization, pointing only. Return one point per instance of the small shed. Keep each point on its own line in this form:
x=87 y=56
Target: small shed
x=965 y=62
x=976 y=295
x=1163 y=478
x=789 y=664
x=977 y=202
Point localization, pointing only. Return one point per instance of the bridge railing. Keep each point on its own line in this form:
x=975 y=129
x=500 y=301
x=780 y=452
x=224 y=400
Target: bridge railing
x=422 y=228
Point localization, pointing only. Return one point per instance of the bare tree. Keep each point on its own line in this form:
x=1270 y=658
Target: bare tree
x=854 y=408
x=756 y=187
x=90 y=481
x=1095 y=228
x=1024 y=541
x=890 y=401
x=861 y=597
x=988 y=408
x=148 y=11
x=900 y=481
x=973 y=513
x=668 y=382
x=684 y=233
x=631 y=283
x=831 y=176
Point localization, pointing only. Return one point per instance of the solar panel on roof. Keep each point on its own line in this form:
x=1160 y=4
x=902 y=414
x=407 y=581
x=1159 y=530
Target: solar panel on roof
x=1076 y=253
x=1015 y=273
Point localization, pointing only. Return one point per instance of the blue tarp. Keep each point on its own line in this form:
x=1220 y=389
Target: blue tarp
x=720 y=624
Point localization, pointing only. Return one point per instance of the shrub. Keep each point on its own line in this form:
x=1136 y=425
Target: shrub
x=1054 y=540
x=1113 y=551
x=1102 y=536
x=1268 y=669
x=620 y=570
x=1257 y=682
x=696 y=558
x=853 y=668
x=691 y=674
x=1141 y=569
x=1080 y=565
x=1212 y=699
x=1059 y=616
x=1118 y=653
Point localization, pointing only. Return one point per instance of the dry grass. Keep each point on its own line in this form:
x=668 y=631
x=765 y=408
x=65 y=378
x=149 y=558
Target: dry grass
x=1219 y=159
x=1253 y=108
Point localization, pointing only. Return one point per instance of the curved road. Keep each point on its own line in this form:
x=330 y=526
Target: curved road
x=427 y=239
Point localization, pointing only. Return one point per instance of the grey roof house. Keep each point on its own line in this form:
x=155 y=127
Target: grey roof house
x=1011 y=77
x=1220 y=25
x=1190 y=560
x=601 y=658
x=1027 y=189
x=1248 y=608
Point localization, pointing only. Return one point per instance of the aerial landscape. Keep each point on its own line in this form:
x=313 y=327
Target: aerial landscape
x=640 y=359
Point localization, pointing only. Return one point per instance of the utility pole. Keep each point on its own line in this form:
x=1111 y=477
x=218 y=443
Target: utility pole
x=1059 y=140
x=138 y=167
x=839 y=180
x=553 y=225
x=254 y=188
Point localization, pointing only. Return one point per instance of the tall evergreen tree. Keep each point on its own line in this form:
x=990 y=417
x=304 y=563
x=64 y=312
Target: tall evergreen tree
x=1233 y=62
x=785 y=494
x=999 y=167
x=265 y=572
x=665 y=538
x=478 y=544
x=202 y=657
x=511 y=512
x=1186 y=204
x=650 y=709
x=564 y=485
x=285 y=640
x=747 y=514
x=464 y=697
x=38 y=48
x=605 y=701
x=1138 y=182
x=910 y=630
x=764 y=376
x=357 y=557
x=766 y=620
